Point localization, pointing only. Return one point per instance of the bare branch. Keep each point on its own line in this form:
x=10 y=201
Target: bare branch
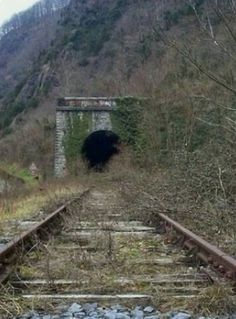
x=188 y=56
x=226 y=23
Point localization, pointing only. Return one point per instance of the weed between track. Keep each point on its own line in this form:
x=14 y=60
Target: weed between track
x=138 y=195
x=215 y=298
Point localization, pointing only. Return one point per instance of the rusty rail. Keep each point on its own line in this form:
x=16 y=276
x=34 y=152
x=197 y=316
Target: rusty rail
x=26 y=241
x=207 y=252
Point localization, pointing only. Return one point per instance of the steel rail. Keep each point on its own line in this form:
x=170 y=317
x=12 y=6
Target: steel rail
x=26 y=240
x=208 y=253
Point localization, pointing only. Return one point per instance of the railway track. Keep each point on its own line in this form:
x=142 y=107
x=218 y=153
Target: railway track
x=92 y=250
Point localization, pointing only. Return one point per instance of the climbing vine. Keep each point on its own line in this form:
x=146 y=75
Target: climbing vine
x=126 y=122
x=78 y=127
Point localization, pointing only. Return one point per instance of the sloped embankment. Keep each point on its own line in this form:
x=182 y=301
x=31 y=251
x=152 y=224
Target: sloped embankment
x=9 y=182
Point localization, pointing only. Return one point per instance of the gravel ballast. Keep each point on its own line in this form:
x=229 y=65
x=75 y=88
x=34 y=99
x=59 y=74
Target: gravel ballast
x=94 y=311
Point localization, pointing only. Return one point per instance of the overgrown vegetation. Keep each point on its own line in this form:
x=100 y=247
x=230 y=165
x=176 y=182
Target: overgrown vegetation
x=178 y=152
x=78 y=128
x=84 y=38
x=126 y=121
x=173 y=17
x=25 y=204
x=22 y=173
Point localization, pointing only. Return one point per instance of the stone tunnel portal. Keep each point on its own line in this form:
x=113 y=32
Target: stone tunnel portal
x=93 y=116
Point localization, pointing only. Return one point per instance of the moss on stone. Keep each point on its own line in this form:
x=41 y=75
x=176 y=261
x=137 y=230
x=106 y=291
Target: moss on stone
x=78 y=128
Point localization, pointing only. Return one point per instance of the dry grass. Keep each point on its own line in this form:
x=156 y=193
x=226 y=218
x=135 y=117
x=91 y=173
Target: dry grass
x=29 y=205
x=129 y=190
x=9 y=305
x=213 y=300
x=216 y=299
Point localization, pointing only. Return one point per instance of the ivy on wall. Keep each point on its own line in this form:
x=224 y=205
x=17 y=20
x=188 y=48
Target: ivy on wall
x=78 y=128
x=126 y=122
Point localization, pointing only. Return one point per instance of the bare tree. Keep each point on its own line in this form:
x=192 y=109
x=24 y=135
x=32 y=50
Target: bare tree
x=226 y=16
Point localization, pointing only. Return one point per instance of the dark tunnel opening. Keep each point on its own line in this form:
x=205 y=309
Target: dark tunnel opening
x=99 y=147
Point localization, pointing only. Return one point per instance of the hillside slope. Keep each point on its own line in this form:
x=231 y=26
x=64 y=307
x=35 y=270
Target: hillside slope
x=119 y=47
x=82 y=49
x=87 y=48
x=179 y=152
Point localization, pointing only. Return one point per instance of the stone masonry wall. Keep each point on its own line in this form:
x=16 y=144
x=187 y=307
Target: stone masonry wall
x=60 y=158
x=101 y=120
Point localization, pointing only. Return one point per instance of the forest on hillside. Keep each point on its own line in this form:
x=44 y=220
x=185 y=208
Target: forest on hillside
x=166 y=70
x=179 y=54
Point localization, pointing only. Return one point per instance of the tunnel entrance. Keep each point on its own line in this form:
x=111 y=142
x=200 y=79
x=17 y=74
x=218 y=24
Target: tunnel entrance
x=99 y=147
